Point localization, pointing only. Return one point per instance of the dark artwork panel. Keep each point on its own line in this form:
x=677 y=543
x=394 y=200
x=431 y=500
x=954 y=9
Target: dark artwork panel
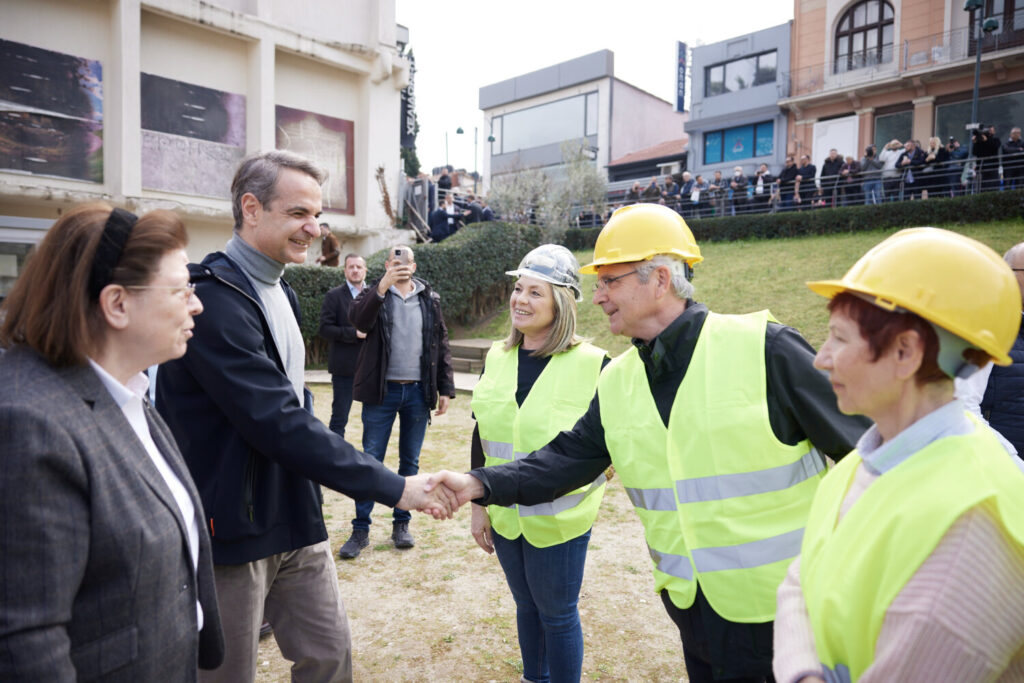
x=51 y=81
x=51 y=113
x=193 y=137
x=193 y=111
x=51 y=145
x=329 y=142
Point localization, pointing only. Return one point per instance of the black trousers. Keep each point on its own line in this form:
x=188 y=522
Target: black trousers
x=716 y=649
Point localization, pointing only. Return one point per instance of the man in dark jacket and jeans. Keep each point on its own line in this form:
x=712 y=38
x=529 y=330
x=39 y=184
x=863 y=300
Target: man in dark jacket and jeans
x=243 y=419
x=404 y=369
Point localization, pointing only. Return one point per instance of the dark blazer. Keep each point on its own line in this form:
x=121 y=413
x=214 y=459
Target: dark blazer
x=97 y=577
x=339 y=332
x=256 y=453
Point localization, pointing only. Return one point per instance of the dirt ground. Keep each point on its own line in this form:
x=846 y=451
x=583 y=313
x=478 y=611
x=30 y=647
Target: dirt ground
x=442 y=612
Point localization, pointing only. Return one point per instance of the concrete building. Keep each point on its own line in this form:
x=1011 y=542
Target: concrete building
x=867 y=71
x=735 y=119
x=530 y=116
x=153 y=104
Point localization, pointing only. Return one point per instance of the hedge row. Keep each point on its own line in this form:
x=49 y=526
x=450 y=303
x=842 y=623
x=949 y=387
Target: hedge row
x=467 y=270
x=977 y=208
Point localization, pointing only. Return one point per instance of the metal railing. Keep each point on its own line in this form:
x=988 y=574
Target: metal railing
x=950 y=179
x=896 y=60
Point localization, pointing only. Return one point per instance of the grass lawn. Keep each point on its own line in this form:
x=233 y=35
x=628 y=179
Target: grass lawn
x=739 y=277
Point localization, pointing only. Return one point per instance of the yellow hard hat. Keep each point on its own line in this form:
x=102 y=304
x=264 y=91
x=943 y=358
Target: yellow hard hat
x=641 y=231
x=950 y=280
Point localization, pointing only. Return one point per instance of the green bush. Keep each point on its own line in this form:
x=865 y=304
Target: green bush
x=990 y=206
x=467 y=270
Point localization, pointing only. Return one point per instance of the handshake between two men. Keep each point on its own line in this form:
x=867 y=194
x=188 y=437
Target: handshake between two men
x=439 y=495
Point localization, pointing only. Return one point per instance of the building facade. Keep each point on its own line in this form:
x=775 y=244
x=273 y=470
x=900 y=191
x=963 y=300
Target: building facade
x=867 y=71
x=735 y=118
x=152 y=105
x=530 y=116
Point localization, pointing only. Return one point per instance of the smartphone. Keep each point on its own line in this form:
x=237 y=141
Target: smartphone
x=401 y=255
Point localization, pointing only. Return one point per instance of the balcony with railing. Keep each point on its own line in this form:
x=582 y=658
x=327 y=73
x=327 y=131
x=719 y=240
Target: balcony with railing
x=891 y=61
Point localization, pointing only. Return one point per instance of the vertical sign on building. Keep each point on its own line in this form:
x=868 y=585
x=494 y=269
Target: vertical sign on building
x=681 y=78
x=408 y=118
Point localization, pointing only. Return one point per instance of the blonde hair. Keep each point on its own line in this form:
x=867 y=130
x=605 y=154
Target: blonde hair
x=562 y=333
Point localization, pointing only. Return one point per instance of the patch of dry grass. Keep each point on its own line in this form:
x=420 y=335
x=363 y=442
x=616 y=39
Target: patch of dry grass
x=442 y=610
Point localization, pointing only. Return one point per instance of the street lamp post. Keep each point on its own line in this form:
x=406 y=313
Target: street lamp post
x=459 y=131
x=981 y=24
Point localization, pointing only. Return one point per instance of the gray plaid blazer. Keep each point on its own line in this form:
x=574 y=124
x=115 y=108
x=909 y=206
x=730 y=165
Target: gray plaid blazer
x=96 y=579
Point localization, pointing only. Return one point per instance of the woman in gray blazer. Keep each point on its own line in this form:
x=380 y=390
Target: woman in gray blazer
x=105 y=570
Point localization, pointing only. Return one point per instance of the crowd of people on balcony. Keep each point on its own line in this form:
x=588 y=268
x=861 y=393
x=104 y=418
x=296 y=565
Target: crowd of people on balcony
x=899 y=171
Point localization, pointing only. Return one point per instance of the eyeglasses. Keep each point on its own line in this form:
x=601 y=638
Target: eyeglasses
x=186 y=292
x=606 y=282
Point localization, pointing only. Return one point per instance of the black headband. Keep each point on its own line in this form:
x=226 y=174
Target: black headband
x=108 y=251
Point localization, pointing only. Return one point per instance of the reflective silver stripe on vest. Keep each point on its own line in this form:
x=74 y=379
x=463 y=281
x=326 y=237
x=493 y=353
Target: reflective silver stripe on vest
x=673 y=565
x=497 y=449
x=561 y=503
x=841 y=674
x=746 y=555
x=663 y=500
x=749 y=483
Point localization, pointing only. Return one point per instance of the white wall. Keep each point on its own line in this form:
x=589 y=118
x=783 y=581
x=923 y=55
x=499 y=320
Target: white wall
x=336 y=58
x=631 y=105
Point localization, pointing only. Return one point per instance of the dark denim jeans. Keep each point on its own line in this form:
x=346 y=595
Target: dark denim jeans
x=407 y=402
x=341 y=406
x=545 y=583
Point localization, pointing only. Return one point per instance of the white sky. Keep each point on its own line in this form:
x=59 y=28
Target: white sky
x=462 y=46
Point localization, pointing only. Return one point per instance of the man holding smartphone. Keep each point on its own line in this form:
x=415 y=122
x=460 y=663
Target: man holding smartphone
x=404 y=369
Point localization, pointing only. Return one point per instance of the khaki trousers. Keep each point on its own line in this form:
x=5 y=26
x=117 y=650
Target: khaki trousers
x=297 y=592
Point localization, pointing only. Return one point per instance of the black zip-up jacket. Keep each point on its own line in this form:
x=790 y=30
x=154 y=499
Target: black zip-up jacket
x=369 y=314
x=256 y=454
x=801 y=405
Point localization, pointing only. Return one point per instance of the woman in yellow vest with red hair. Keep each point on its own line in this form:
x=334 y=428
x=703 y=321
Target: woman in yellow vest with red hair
x=537 y=382
x=912 y=564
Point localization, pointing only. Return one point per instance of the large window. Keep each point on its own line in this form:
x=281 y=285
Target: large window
x=739 y=74
x=569 y=119
x=742 y=142
x=890 y=127
x=865 y=36
x=1010 y=32
x=1002 y=111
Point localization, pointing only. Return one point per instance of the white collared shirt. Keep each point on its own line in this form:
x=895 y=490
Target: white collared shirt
x=129 y=399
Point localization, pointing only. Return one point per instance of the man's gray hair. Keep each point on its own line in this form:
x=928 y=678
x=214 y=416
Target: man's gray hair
x=257 y=175
x=683 y=288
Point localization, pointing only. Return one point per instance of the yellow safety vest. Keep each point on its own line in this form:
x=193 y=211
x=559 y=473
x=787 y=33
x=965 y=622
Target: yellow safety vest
x=722 y=500
x=558 y=398
x=851 y=572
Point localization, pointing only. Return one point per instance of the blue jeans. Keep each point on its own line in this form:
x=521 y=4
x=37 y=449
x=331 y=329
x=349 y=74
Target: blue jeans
x=341 y=406
x=407 y=402
x=545 y=583
x=873 y=191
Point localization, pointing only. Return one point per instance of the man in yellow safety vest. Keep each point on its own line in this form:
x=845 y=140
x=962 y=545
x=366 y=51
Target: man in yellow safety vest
x=718 y=427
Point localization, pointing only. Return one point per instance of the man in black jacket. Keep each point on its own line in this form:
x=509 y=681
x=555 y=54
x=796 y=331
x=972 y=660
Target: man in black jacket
x=404 y=370
x=710 y=502
x=242 y=417
x=345 y=340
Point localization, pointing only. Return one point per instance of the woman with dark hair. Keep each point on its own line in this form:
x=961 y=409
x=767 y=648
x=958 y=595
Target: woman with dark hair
x=103 y=551
x=912 y=563
x=536 y=382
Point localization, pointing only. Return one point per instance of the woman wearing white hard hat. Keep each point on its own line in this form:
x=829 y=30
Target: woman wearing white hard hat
x=912 y=564
x=537 y=382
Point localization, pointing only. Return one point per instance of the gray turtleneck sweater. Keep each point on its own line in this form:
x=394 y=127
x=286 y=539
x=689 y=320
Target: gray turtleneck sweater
x=264 y=274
